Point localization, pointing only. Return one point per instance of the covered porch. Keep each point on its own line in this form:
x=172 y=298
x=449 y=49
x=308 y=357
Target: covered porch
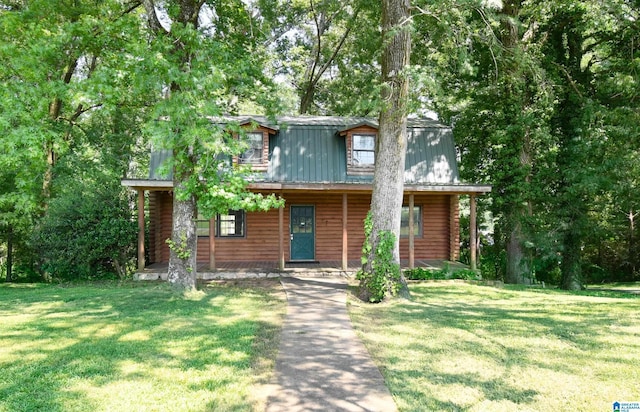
x=270 y=269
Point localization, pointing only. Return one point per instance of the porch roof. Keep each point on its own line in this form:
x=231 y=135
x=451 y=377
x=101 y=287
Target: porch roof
x=458 y=188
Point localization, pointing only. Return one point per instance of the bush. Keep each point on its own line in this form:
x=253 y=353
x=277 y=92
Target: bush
x=86 y=234
x=441 y=274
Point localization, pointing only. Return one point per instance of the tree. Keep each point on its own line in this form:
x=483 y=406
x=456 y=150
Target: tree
x=390 y=151
x=61 y=63
x=196 y=69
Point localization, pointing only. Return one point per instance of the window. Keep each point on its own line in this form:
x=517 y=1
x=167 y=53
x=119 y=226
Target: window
x=231 y=224
x=202 y=226
x=228 y=225
x=253 y=155
x=364 y=149
x=404 y=221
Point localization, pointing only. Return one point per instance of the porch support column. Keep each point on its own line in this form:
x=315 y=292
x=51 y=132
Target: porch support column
x=212 y=243
x=454 y=228
x=141 y=262
x=472 y=231
x=412 y=234
x=345 y=235
x=281 y=238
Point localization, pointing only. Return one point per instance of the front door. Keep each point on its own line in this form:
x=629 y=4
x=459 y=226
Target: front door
x=302 y=233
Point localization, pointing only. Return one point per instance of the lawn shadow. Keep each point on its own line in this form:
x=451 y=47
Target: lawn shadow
x=78 y=345
x=498 y=339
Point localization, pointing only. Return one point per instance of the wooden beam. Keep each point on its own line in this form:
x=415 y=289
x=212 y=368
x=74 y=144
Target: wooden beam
x=212 y=243
x=454 y=228
x=141 y=263
x=345 y=235
x=472 y=231
x=412 y=234
x=281 y=238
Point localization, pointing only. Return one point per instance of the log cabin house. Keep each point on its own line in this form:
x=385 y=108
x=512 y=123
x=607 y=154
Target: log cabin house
x=323 y=167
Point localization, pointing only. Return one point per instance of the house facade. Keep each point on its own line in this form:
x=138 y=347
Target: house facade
x=323 y=168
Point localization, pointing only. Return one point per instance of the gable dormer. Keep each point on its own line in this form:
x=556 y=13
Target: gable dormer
x=360 y=146
x=257 y=154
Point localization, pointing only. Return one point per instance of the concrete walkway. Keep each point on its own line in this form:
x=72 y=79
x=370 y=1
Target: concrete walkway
x=321 y=364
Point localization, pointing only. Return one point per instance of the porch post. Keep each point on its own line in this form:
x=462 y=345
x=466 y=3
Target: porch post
x=411 y=233
x=472 y=231
x=345 y=235
x=141 y=262
x=454 y=228
x=281 y=238
x=212 y=243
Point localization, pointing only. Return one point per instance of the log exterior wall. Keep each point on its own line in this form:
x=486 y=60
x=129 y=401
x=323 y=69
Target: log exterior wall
x=260 y=243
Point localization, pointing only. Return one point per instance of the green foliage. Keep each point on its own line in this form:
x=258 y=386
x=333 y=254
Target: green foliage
x=441 y=274
x=380 y=277
x=87 y=233
x=180 y=248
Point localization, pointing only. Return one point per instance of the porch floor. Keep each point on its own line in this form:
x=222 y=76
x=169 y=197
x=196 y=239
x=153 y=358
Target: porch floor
x=270 y=268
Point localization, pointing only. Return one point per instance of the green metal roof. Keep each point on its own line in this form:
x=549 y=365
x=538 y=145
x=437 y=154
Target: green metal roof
x=309 y=149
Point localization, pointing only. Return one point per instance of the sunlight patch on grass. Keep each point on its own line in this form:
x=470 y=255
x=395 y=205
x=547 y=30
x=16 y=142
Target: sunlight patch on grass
x=464 y=347
x=135 y=347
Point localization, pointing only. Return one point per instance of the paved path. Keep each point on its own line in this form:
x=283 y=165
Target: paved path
x=321 y=364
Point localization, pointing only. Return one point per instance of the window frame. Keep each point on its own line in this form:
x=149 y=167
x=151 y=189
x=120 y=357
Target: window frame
x=417 y=220
x=253 y=140
x=243 y=224
x=203 y=225
x=354 y=160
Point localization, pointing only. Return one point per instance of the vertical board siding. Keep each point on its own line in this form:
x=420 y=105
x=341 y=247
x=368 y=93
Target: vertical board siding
x=261 y=240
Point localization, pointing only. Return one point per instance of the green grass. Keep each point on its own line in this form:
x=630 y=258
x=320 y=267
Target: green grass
x=136 y=347
x=459 y=347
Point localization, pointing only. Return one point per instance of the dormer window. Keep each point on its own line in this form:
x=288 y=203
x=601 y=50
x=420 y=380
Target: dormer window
x=364 y=149
x=256 y=136
x=254 y=153
x=360 y=145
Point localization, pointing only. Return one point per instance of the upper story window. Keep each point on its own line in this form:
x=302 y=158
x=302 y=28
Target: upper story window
x=364 y=149
x=254 y=153
x=360 y=145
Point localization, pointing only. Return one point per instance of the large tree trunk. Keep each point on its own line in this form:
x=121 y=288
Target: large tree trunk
x=391 y=145
x=182 y=271
x=517 y=260
x=183 y=247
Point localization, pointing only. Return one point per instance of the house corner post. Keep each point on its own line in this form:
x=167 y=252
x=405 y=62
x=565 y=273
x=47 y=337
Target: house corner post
x=472 y=231
x=345 y=234
x=412 y=234
x=141 y=262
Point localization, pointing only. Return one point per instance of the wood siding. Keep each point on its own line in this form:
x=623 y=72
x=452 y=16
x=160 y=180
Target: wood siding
x=160 y=217
x=260 y=242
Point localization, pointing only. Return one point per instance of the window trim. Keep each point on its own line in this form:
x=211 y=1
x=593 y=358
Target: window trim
x=417 y=210
x=218 y=225
x=200 y=230
x=354 y=163
x=261 y=160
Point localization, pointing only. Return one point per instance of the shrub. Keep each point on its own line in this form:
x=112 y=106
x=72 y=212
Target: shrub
x=86 y=234
x=441 y=274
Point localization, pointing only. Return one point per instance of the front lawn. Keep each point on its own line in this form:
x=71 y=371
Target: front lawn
x=459 y=347
x=136 y=347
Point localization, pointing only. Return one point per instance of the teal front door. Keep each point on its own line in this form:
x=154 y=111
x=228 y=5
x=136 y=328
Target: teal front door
x=303 y=237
